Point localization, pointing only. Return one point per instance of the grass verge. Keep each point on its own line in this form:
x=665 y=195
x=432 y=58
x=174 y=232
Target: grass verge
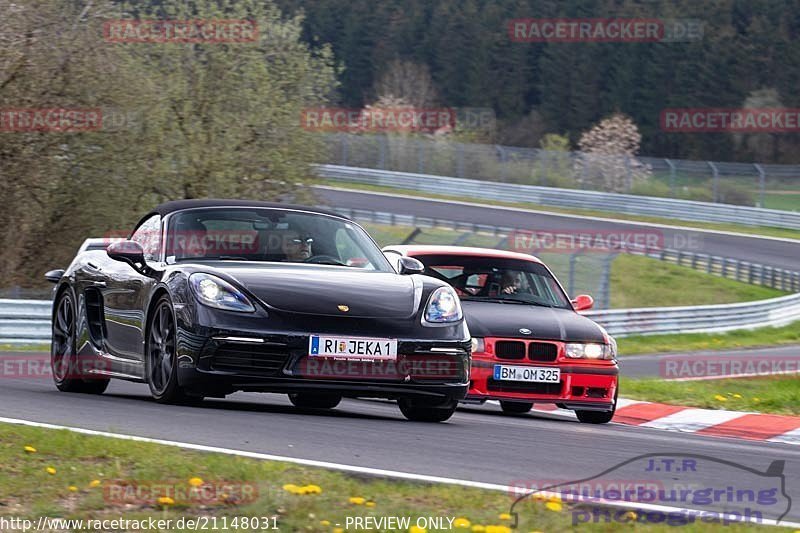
x=738 y=228
x=636 y=281
x=769 y=394
x=692 y=342
x=73 y=476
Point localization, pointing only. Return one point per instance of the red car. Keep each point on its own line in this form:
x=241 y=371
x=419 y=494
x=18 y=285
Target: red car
x=529 y=343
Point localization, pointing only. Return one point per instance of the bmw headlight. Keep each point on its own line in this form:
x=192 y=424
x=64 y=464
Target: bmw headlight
x=443 y=307
x=579 y=350
x=216 y=292
x=478 y=345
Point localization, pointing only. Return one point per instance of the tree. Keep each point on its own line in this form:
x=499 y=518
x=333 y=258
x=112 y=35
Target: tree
x=607 y=160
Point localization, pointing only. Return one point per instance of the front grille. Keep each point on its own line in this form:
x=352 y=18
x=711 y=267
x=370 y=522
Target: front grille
x=434 y=367
x=523 y=386
x=259 y=359
x=509 y=350
x=546 y=352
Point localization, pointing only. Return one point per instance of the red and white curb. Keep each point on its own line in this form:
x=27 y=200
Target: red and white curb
x=713 y=422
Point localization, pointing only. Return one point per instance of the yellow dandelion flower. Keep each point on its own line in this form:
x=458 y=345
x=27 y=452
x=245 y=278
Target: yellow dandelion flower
x=313 y=489
x=555 y=498
x=498 y=529
x=30 y=449
x=370 y=504
x=338 y=530
x=737 y=395
x=461 y=523
x=554 y=506
x=72 y=488
x=50 y=470
x=756 y=399
x=477 y=528
x=324 y=523
x=631 y=516
x=417 y=529
x=196 y=482
x=94 y=483
x=166 y=500
x=290 y=487
x=720 y=398
x=504 y=516
x=357 y=500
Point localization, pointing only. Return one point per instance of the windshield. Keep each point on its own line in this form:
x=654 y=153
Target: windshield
x=497 y=279
x=273 y=235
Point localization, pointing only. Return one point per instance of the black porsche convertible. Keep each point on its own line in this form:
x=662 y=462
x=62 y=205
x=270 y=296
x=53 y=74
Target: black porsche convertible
x=209 y=297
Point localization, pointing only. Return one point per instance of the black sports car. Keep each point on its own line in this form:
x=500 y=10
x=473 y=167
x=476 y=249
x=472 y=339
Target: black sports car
x=209 y=297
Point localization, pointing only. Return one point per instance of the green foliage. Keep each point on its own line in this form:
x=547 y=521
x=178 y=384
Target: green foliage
x=189 y=120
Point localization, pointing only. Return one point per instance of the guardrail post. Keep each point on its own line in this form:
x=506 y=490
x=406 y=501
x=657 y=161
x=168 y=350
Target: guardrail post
x=714 y=182
x=629 y=174
x=571 y=282
x=762 y=179
x=382 y=152
x=671 y=177
x=460 y=160
x=503 y=162
x=738 y=269
x=345 y=146
x=724 y=268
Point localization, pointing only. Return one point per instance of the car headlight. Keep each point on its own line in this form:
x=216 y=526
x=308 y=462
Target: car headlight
x=443 y=307
x=478 y=346
x=579 y=350
x=216 y=292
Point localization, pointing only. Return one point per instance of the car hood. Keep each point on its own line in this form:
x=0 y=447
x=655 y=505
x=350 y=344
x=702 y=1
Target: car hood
x=320 y=290
x=491 y=319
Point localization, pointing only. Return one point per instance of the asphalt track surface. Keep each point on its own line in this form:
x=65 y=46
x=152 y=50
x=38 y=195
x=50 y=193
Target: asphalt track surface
x=478 y=443
x=772 y=252
x=772 y=360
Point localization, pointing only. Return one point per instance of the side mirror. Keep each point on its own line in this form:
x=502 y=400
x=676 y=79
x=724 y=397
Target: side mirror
x=53 y=276
x=409 y=265
x=582 y=302
x=130 y=252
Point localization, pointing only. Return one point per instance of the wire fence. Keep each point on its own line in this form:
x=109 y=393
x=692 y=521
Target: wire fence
x=748 y=184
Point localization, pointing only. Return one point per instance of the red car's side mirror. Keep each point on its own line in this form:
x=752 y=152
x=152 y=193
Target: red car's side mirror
x=582 y=302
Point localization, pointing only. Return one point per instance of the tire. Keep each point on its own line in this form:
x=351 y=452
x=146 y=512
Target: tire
x=310 y=400
x=160 y=357
x=63 y=357
x=516 y=408
x=598 y=417
x=422 y=411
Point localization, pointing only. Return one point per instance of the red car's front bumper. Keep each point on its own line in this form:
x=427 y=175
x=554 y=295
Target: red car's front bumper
x=584 y=384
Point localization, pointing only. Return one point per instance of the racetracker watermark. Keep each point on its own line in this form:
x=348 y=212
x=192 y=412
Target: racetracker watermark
x=682 y=489
x=413 y=367
x=41 y=366
x=180 y=31
x=686 y=368
x=603 y=30
x=53 y=119
x=378 y=120
x=727 y=120
x=193 y=492
x=587 y=241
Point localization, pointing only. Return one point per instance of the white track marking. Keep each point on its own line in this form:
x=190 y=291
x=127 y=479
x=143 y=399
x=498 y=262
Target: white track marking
x=692 y=420
x=790 y=437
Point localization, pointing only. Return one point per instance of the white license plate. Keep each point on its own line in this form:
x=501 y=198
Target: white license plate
x=359 y=348
x=536 y=374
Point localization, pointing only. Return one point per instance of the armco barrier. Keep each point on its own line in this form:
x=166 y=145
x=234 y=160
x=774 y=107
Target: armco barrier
x=571 y=198
x=28 y=321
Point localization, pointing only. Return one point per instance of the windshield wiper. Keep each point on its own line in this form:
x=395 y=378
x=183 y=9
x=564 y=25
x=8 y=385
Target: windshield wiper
x=506 y=301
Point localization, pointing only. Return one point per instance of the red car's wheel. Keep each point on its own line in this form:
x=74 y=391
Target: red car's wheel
x=598 y=417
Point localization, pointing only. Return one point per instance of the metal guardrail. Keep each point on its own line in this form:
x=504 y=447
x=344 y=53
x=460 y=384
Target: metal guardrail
x=570 y=198
x=726 y=267
x=699 y=319
x=28 y=321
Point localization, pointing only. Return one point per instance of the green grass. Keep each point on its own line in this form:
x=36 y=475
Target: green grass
x=24 y=348
x=689 y=342
x=773 y=394
x=636 y=281
x=752 y=230
x=27 y=490
x=787 y=200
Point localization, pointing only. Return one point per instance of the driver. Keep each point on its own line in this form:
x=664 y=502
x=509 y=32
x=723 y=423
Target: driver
x=511 y=283
x=296 y=247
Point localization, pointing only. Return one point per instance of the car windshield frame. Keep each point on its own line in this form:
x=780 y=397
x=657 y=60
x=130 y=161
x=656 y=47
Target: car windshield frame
x=372 y=253
x=498 y=264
